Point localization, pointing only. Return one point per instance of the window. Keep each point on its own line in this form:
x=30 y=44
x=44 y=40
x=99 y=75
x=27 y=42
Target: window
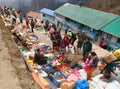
x=118 y=41
x=43 y=15
x=108 y=37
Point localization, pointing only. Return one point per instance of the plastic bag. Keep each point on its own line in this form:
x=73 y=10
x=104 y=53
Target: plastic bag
x=82 y=84
x=113 y=85
x=83 y=74
x=66 y=48
x=87 y=67
x=72 y=50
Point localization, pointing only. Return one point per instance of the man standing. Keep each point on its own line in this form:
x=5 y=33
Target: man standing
x=21 y=17
x=81 y=39
x=27 y=22
x=32 y=24
x=87 y=47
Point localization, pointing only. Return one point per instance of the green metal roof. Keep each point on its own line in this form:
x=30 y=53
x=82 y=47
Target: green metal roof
x=113 y=27
x=90 y=17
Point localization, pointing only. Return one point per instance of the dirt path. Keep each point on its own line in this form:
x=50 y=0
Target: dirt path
x=13 y=72
x=8 y=79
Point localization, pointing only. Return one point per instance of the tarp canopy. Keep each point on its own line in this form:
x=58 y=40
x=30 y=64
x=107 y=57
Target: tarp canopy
x=47 y=11
x=90 y=17
x=113 y=27
x=34 y=14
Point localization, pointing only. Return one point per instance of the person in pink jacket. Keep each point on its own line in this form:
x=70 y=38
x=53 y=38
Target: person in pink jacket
x=101 y=42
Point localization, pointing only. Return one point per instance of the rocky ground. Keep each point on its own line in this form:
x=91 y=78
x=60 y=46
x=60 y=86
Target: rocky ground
x=13 y=72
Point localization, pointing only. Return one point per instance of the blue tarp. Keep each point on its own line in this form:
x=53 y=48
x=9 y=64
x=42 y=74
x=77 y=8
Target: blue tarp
x=47 y=11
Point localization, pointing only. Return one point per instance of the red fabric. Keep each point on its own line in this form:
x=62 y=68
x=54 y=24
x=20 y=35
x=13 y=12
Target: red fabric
x=60 y=57
x=62 y=66
x=65 y=39
x=27 y=21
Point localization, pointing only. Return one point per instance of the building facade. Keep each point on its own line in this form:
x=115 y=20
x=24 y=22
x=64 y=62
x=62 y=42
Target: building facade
x=95 y=23
x=48 y=14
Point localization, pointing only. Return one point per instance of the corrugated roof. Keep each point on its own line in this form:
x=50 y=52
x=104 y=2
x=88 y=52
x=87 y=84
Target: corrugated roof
x=113 y=27
x=90 y=17
x=34 y=14
x=47 y=11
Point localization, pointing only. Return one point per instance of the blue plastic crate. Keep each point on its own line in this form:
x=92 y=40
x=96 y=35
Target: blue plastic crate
x=46 y=53
x=57 y=83
x=45 y=47
x=57 y=53
x=53 y=73
x=47 y=67
x=53 y=58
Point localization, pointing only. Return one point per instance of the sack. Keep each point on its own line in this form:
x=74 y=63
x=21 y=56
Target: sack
x=72 y=50
x=77 y=58
x=66 y=48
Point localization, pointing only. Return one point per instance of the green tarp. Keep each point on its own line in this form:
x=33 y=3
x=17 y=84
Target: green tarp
x=90 y=17
x=113 y=27
x=41 y=31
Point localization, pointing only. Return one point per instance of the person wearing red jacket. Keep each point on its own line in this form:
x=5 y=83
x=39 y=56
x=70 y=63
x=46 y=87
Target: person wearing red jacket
x=27 y=22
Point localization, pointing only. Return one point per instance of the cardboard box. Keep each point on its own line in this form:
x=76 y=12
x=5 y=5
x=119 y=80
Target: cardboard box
x=67 y=84
x=109 y=58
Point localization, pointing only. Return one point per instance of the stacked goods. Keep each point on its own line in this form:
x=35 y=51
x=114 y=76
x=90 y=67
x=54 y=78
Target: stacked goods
x=75 y=75
x=58 y=79
x=65 y=69
x=53 y=73
x=47 y=67
x=67 y=84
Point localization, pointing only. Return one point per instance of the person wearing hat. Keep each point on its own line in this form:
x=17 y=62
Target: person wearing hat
x=69 y=33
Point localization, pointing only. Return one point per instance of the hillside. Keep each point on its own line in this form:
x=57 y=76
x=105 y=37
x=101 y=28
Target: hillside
x=112 y=6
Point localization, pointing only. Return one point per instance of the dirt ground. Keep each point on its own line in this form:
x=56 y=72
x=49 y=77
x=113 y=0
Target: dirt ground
x=13 y=72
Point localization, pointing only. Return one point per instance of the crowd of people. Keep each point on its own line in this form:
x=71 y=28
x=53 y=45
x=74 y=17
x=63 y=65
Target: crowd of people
x=60 y=43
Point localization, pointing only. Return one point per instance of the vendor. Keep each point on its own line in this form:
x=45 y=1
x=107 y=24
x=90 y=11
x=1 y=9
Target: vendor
x=108 y=76
x=111 y=66
x=93 y=61
x=39 y=57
